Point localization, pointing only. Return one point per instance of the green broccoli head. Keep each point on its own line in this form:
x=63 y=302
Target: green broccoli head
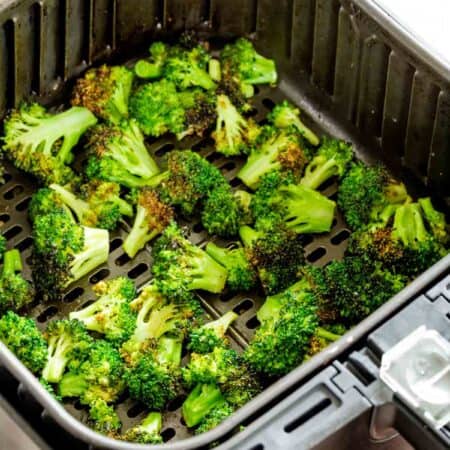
x=70 y=251
x=276 y=150
x=99 y=376
x=45 y=201
x=242 y=275
x=118 y=154
x=205 y=338
x=111 y=314
x=105 y=91
x=218 y=414
x=180 y=266
x=67 y=341
x=41 y=143
x=244 y=64
x=152 y=217
x=15 y=291
x=202 y=400
x=233 y=135
x=24 y=339
x=147 y=432
x=286 y=115
x=288 y=320
x=276 y=253
x=103 y=418
x=331 y=160
x=364 y=193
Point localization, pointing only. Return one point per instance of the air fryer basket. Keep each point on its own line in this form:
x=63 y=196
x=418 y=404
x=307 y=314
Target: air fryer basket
x=351 y=77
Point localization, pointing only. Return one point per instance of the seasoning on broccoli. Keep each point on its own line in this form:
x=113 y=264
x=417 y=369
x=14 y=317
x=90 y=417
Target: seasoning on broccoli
x=146 y=432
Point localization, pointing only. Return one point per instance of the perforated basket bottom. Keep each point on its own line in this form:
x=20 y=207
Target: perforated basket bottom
x=15 y=195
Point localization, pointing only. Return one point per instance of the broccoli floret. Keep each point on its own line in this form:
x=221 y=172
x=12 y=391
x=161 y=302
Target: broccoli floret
x=205 y=338
x=100 y=376
x=364 y=193
x=215 y=417
x=331 y=160
x=105 y=91
x=152 y=217
x=103 y=418
x=24 y=339
x=69 y=251
x=188 y=180
x=46 y=201
x=15 y=291
x=277 y=254
x=241 y=274
x=243 y=63
x=50 y=388
x=403 y=244
x=275 y=150
x=147 y=432
x=188 y=68
x=158 y=109
x=285 y=115
x=202 y=400
x=435 y=220
x=323 y=337
x=40 y=143
x=153 y=67
x=297 y=207
x=156 y=317
x=233 y=135
x=111 y=313
x=355 y=287
x=232 y=89
x=67 y=340
x=98 y=204
x=180 y=266
x=155 y=377
x=288 y=320
x=221 y=214
x=2 y=246
x=118 y=154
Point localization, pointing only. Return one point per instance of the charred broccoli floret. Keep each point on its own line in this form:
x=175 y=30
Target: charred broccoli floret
x=41 y=143
x=275 y=150
x=364 y=193
x=180 y=266
x=331 y=160
x=118 y=154
x=69 y=251
x=277 y=254
x=297 y=207
x=244 y=64
x=46 y=201
x=103 y=418
x=155 y=377
x=286 y=115
x=202 y=400
x=105 y=91
x=288 y=320
x=152 y=217
x=24 y=339
x=147 y=432
x=15 y=291
x=111 y=313
x=97 y=205
x=241 y=273
x=233 y=135
x=67 y=341
x=205 y=338
x=100 y=376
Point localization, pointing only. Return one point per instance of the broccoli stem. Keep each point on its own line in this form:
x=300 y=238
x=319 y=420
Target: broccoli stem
x=78 y=206
x=89 y=315
x=248 y=235
x=409 y=226
x=72 y=385
x=214 y=69
x=152 y=424
x=94 y=253
x=201 y=78
x=146 y=70
x=169 y=351
x=12 y=262
x=202 y=400
x=270 y=309
x=221 y=325
x=328 y=335
x=207 y=274
x=57 y=359
x=266 y=69
x=140 y=233
x=318 y=171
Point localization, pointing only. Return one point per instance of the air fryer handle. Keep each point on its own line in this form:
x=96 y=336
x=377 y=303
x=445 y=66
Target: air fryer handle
x=309 y=416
